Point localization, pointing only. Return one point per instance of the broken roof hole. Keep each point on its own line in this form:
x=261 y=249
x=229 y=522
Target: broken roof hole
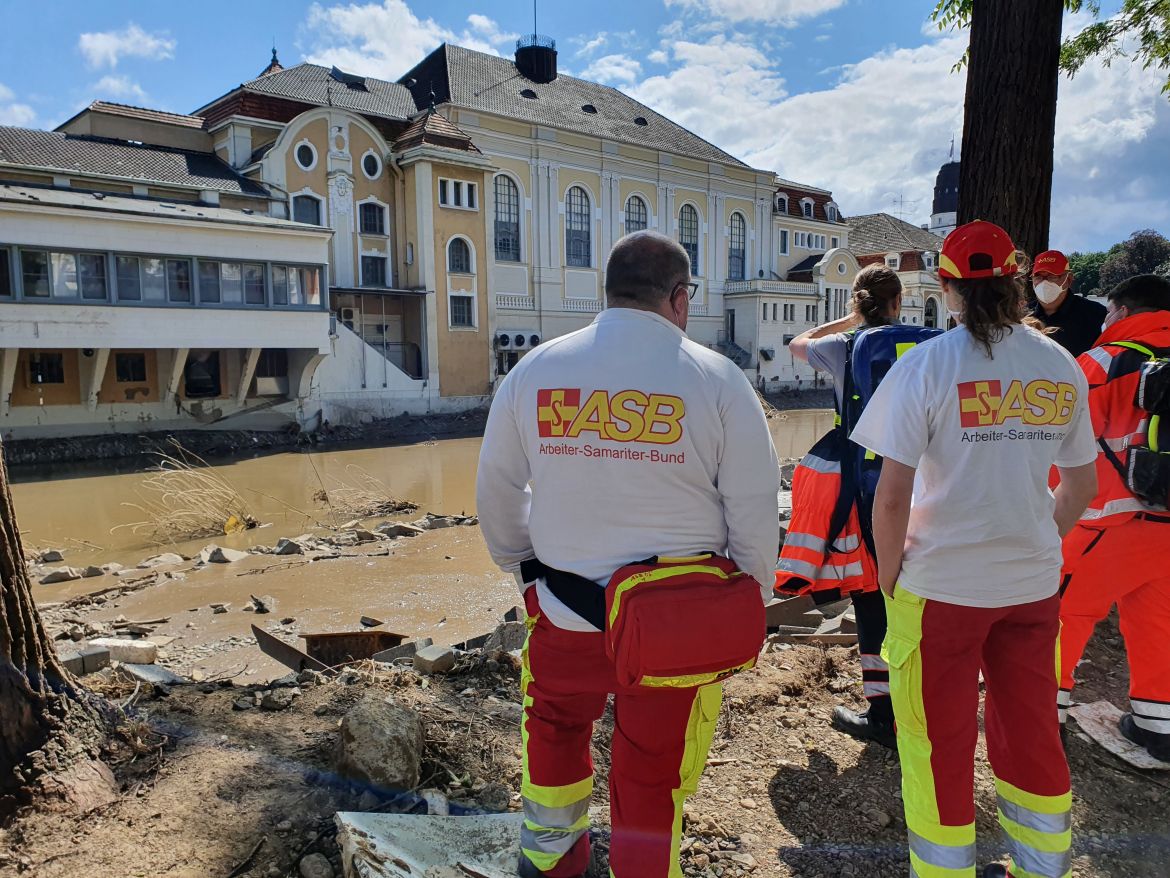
x=349 y=80
x=640 y=120
x=589 y=108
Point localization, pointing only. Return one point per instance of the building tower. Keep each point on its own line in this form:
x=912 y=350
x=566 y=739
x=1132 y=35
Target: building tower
x=945 y=214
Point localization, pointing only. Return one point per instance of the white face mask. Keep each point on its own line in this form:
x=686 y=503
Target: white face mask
x=1048 y=291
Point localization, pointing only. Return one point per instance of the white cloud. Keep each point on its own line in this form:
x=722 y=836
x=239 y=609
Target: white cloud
x=12 y=112
x=782 y=12
x=588 y=47
x=620 y=70
x=107 y=48
x=658 y=57
x=386 y=39
x=120 y=87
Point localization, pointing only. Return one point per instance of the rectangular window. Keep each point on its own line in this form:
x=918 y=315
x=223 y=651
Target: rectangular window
x=373 y=271
x=254 y=291
x=179 y=280
x=6 y=285
x=279 y=285
x=309 y=287
x=154 y=280
x=457 y=193
x=34 y=266
x=471 y=196
x=789 y=313
x=129 y=368
x=444 y=186
x=129 y=280
x=836 y=241
x=93 y=276
x=273 y=363
x=64 y=269
x=784 y=242
x=774 y=312
x=764 y=316
x=232 y=283
x=46 y=368
x=209 y=282
x=462 y=312
x=372 y=219
x=307 y=209
x=788 y=339
x=457 y=190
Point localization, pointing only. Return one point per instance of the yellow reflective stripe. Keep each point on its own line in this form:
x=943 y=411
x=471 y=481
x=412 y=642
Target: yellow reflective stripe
x=1134 y=346
x=1033 y=802
x=936 y=833
x=1045 y=842
x=685 y=559
x=919 y=868
x=869 y=455
x=1152 y=433
x=687 y=682
x=836 y=420
x=902 y=347
x=696 y=744
x=578 y=826
x=544 y=862
x=654 y=576
x=556 y=797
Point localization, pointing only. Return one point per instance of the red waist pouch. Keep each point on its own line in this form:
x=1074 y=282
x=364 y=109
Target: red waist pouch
x=682 y=622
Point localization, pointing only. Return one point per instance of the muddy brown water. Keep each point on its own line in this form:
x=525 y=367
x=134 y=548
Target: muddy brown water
x=442 y=584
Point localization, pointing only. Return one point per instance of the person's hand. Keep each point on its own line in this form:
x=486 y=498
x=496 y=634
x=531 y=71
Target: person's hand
x=887 y=584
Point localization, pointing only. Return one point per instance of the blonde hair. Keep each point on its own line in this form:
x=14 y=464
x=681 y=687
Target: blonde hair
x=874 y=292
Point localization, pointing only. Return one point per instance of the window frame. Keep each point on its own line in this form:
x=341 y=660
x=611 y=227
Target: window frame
x=468 y=249
x=473 y=305
x=362 y=271
x=467 y=191
x=39 y=353
x=8 y=259
x=371 y=153
x=296 y=152
x=578 y=239
x=119 y=355
x=497 y=223
x=645 y=218
x=732 y=250
x=696 y=265
x=384 y=218
x=15 y=260
x=306 y=194
x=784 y=242
x=808 y=208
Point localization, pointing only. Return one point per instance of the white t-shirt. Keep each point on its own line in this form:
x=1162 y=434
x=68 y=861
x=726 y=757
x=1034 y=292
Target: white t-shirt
x=622 y=441
x=983 y=435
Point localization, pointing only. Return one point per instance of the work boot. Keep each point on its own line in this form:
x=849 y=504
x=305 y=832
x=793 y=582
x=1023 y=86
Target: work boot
x=995 y=870
x=864 y=727
x=1156 y=745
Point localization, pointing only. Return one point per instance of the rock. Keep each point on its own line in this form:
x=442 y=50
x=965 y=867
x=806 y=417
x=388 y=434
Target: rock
x=218 y=609
x=288 y=547
x=434 y=660
x=879 y=818
x=404 y=650
x=287 y=620
x=437 y=803
x=316 y=866
x=72 y=662
x=745 y=860
x=748 y=804
x=277 y=699
x=242 y=704
x=51 y=556
x=364 y=536
x=135 y=652
x=370 y=622
x=94 y=658
x=381 y=743
x=113 y=567
x=516 y=614
x=91 y=571
x=495 y=797
x=150 y=674
x=400 y=529
x=260 y=605
x=214 y=554
x=161 y=560
x=61 y=574
x=507 y=637
x=700 y=861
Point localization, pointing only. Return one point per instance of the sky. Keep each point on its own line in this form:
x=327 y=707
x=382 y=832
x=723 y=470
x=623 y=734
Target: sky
x=855 y=96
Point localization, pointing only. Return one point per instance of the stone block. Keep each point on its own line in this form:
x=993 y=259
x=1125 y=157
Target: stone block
x=381 y=743
x=787 y=611
x=60 y=574
x=288 y=547
x=135 y=652
x=94 y=658
x=404 y=650
x=73 y=663
x=434 y=660
x=150 y=674
x=400 y=529
x=161 y=560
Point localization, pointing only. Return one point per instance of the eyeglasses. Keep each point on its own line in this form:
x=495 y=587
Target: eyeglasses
x=693 y=286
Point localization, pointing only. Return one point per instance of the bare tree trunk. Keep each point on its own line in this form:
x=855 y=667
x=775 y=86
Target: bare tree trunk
x=44 y=715
x=1010 y=122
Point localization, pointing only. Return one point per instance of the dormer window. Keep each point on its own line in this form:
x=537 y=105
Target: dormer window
x=780 y=204
x=894 y=261
x=832 y=213
x=928 y=259
x=806 y=208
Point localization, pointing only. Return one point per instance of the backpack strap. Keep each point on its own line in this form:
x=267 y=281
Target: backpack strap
x=847 y=495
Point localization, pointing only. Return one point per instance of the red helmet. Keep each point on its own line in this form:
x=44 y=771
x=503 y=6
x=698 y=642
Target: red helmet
x=978 y=249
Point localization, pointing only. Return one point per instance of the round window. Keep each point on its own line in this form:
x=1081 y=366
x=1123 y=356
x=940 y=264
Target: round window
x=306 y=156
x=840 y=268
x=371 y=165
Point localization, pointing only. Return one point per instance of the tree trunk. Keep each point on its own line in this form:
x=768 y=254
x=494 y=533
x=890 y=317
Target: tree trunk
x=1010 y=122
x=46 y=720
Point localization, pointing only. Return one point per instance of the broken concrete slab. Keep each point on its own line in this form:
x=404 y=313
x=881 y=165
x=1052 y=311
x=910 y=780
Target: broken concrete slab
x=161 y=560
x=381 y=743
x=409 y=845
x=260 y=605
x=400 y=529
x=60 y=574
x=73 y=663
x=434 y=660
x=214 y=554
x=150 y=674
x=364 y=536
x=370 y=622
x=405 y=650
x=819 y=639
x=507 y=637
x=94 y=658
x=787 y=611
x=135 y=652
x=516 y=614
x=473 y=643
x=288 y=547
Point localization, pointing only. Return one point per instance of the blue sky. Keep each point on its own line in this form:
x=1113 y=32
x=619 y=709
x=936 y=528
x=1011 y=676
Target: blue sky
x=855 y=96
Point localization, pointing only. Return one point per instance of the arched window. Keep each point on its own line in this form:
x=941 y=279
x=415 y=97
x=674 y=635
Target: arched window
x=507 y=220
x=737 y=251
x=931 y=318
x=637 y=217
x=458 y=257
x=688 y=234
x=578 y=239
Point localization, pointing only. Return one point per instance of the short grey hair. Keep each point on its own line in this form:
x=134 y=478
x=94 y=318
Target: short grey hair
x=644 y=268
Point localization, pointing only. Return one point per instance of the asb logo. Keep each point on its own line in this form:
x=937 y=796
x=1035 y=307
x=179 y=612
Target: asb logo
x=1037 y=403
x=626 y=416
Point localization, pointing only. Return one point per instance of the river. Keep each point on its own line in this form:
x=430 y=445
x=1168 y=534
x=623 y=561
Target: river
x=442 y=584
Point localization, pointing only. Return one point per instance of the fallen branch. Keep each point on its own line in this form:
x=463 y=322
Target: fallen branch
x=246 y=865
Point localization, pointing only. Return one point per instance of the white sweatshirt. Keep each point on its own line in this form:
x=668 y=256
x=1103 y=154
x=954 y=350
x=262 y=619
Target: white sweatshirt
x=622 y=441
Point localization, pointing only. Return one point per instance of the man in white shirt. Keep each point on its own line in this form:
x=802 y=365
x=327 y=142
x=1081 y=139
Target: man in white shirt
x=620 y=442
x=970 y=424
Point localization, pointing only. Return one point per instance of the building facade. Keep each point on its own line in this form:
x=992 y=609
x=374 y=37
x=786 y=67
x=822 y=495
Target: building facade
x=881 y=239
x=317 y=246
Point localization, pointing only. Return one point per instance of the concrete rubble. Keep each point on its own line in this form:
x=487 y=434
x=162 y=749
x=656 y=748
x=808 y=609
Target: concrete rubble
x=434 y=660
x=136 y=652
x=381 y=743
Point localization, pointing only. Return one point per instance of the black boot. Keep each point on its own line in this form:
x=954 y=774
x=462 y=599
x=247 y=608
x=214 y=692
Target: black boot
x=1156 y=745
x=864 y=727
x=995 y=870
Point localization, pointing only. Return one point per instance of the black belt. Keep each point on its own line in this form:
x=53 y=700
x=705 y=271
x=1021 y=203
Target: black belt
x=1145 y=516
x=583 y=596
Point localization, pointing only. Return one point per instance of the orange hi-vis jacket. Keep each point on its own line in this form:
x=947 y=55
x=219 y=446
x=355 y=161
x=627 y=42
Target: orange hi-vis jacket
x=1113 y=379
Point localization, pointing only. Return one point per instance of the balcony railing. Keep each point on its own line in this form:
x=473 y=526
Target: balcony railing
x=698 y=310
x=515 y=303
x=539 y=41
x=758 y=285
x=588 y=306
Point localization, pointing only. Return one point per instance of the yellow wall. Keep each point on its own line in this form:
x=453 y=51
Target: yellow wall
x=24 y=392
x=363 y=187
x=464 y=354
x=317 y=133
x=505 y=126
x=114 y=391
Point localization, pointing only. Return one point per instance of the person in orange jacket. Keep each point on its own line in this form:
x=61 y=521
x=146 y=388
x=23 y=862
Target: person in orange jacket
x=1117 y=553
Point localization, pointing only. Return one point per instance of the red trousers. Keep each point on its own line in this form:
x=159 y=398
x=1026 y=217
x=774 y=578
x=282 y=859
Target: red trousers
x=1127 y=564
x=660 y=743
x=935 y=651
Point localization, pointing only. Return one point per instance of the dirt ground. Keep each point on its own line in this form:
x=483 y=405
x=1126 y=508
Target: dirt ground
x=204 y=784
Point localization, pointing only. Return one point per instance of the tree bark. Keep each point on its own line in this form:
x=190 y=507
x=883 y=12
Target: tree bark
x=42 y=709
x=1010 y=119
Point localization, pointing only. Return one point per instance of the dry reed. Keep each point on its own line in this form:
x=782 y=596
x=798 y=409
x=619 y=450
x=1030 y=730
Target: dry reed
x=361 y=496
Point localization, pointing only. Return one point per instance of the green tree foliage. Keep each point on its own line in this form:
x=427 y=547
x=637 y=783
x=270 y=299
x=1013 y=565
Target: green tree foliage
x=1143 y=252
x=1086 y=270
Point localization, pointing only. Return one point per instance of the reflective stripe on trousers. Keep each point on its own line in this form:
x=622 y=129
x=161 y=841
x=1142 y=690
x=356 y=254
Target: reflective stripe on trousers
x=1152 y=716
x=1039 y=831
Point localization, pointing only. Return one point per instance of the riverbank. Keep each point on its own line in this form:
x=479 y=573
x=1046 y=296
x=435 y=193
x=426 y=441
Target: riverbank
x=142 y=448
